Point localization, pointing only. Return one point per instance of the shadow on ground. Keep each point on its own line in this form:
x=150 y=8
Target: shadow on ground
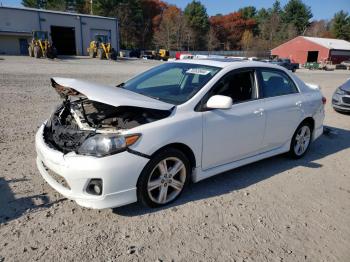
x=12 y=207
x=333 y=141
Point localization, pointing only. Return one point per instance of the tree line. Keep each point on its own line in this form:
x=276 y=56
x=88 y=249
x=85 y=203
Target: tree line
x=149 y=24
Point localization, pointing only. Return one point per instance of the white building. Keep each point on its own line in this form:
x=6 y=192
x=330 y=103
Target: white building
x=71 y=33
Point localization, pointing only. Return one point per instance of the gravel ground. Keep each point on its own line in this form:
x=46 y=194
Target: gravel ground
x=274 y=210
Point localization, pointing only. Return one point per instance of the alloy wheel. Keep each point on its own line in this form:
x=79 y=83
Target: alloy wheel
x=302 y=140
x=166 y=180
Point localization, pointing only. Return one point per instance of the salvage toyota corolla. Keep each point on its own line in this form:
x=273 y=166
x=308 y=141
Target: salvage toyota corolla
x=147 y=138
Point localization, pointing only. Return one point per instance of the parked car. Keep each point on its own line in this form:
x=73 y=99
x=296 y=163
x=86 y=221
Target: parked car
x=346 y=63
x=135 y=53
x=183 y=121
x=286 y=63
x=341 y=67
x=341 y=97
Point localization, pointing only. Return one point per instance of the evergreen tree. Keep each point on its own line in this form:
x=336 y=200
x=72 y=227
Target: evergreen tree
x=198 y=21
x=340 y=25
x=34 y=3
x=298 y=14
x=247 y=12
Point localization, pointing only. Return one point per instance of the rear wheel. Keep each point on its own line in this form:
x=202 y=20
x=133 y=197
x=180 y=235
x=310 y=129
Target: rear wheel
x=113 y=55
x=100 y=53
x=301 y=140
x=164 y=178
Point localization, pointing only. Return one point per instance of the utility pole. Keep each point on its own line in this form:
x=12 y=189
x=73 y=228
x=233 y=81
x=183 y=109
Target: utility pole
x=91 y=12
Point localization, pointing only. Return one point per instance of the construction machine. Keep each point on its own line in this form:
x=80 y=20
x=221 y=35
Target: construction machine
x=161 y=54
x=101 y=47
x=40 y=46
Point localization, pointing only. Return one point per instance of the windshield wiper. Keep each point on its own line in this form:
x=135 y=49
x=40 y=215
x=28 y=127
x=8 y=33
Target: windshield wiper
x=154 y=97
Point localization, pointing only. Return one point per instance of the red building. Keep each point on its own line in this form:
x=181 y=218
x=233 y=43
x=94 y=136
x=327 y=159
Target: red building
x=304 y=49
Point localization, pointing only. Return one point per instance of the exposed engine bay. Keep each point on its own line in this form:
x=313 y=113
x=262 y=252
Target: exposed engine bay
x=74 y=121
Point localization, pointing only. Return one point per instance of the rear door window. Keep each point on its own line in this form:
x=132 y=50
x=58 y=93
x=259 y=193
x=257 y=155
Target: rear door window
x=276 y=83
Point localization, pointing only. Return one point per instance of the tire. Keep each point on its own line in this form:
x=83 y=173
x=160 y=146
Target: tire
x=30 y=51
x=156 y=188
x=100 y=53
x=92 y=53
x=37 y=52
x=51 y=53
x=113 y=55
x=301 y=140
x=54 y=52
x=294 y=70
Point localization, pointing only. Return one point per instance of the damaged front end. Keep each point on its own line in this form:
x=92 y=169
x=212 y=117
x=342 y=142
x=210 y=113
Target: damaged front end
x=88 y=127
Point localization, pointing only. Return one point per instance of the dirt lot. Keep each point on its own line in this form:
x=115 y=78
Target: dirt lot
x=274 y=210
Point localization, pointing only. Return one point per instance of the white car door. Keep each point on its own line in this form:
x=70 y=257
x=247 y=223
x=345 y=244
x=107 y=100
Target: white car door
x=236 y=133
x=282 y=106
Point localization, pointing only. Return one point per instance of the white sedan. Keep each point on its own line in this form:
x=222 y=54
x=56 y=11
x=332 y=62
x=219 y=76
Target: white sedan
x=147 y=138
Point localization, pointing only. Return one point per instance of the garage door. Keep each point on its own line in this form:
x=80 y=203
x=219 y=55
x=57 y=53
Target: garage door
x=63 y=39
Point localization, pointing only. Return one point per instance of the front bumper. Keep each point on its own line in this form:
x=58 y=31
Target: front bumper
x=118 y=172
x=341 y=102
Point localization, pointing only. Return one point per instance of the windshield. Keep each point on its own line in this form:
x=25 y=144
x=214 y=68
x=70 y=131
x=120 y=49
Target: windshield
x=40 y=35
x=101 y=38
x=173 y=83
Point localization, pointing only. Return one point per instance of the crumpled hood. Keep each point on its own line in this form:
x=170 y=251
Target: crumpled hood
x=110 y=95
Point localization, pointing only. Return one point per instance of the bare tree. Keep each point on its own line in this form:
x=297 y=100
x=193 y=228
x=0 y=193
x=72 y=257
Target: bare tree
x=247 y=40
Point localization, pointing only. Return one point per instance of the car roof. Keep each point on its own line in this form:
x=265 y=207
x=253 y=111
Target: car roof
x=226 y=62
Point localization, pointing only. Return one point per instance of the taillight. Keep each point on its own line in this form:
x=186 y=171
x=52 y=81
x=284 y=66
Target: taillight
x=324 y=100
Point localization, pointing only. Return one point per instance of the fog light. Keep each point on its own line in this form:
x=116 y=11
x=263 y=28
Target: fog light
x=95 y=187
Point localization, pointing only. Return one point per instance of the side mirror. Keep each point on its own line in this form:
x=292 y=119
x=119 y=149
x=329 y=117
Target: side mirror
x=219 y=102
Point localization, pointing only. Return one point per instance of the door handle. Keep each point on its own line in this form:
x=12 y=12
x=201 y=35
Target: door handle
x=298 y=103
x=259 y=111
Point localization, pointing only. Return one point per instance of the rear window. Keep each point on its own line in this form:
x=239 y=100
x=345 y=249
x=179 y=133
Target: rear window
x=276 y=83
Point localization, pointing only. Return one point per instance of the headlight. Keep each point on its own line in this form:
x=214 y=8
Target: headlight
x=340 y=91
x=101 y=145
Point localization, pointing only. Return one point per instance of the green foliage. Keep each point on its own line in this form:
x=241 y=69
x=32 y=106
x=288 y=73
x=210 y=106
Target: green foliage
x=58 y=5
x=276 y=8
x=198 y=22
x=79 y=6
x=298 y=14
x=247 y=12
x=340 y=25
x=262 y=15
x=34 y=3
x=197 y=17
x=155 y=24
x=129 y=14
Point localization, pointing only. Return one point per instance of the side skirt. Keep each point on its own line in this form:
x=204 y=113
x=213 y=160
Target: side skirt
x=199 y=174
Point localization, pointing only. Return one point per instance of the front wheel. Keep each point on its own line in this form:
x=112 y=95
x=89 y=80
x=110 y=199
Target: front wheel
x=30 y=51
x=301 y=141
x=92 y=54
x=164 y=178
x=37 y=52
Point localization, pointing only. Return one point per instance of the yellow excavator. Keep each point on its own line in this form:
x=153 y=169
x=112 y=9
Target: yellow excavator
x=162 y=54
x=100 y=47
x=40 y=46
